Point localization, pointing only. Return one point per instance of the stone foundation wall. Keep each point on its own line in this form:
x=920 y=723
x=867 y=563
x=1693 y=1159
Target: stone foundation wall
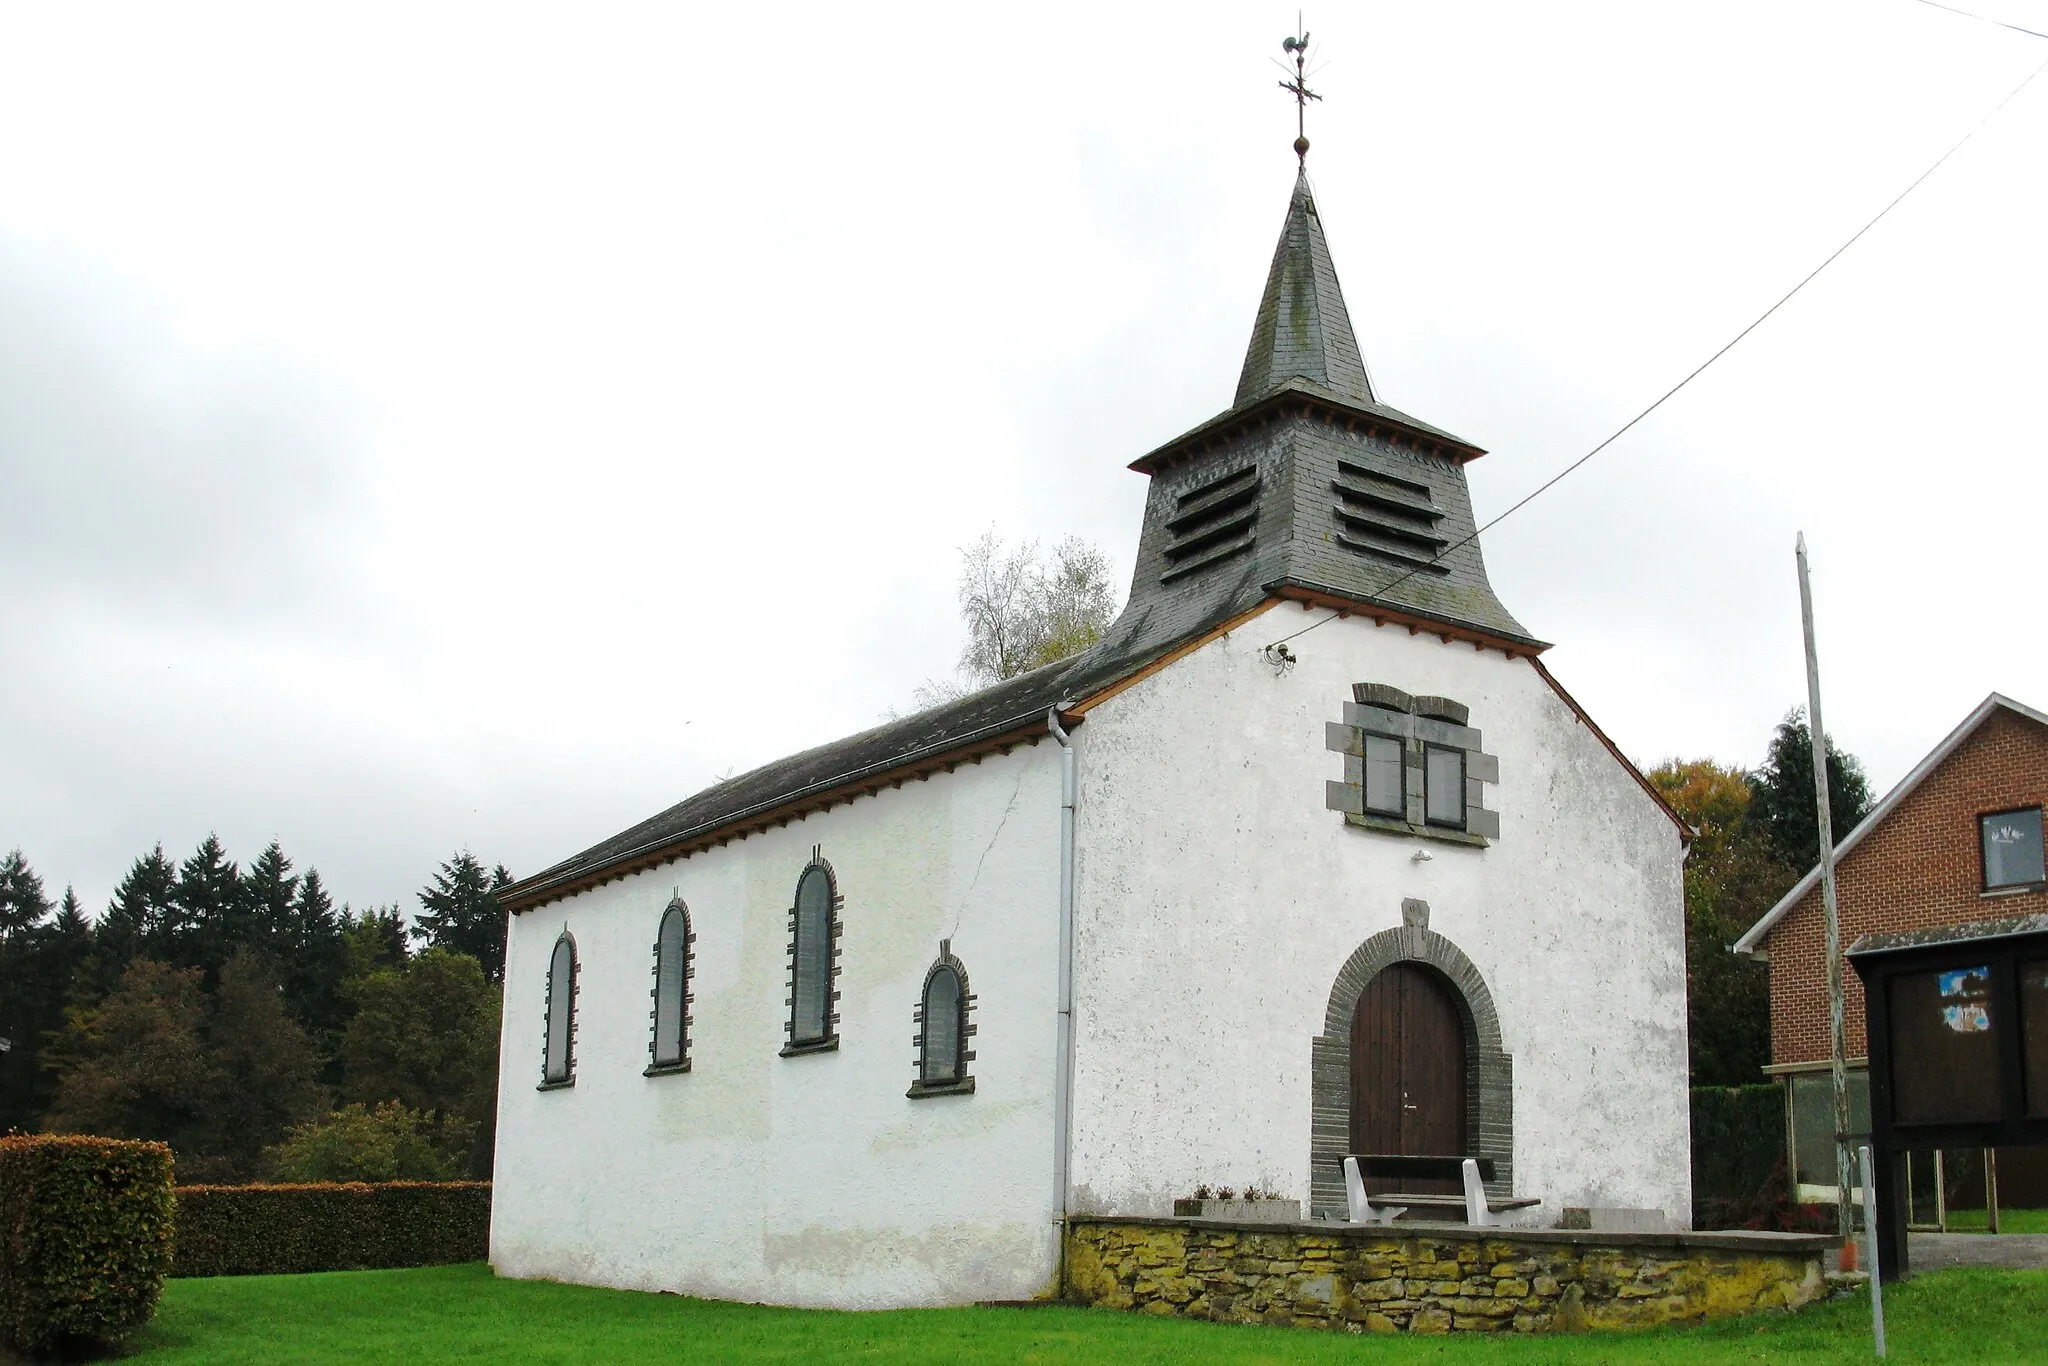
x=1435 y=1278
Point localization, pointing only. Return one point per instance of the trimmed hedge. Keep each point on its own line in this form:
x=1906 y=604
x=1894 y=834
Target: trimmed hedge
x=85 y=1239
x=351 y=1226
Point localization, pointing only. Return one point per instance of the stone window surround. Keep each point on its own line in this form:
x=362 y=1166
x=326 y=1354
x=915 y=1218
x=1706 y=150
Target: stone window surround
x=791 y=1047
x=1419 y=723
x=547 y=1017
x=1489 y=1069
x=962 y=1085
x=655 y=1067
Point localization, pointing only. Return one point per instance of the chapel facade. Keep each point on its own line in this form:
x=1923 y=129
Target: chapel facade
x=862 y=1027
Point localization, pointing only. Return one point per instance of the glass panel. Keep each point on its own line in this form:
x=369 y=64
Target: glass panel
x=941 y=1061
x=561 y=1007
x=672 y=952
x=2034 y=1033
x=1813 y=1124
x=2012 y=848
x=813 y=957
x=1445 y=787
x=1944 y=1054
x=1383 y=778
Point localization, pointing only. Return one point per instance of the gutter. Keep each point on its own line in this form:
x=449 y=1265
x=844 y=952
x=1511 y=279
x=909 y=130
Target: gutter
x=1063 y=1082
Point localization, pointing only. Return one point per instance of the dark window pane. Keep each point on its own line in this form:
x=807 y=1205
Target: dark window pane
x=2012 y=848
x=813 y=957
x=2034 y=1033
x=1383 y=783
x=941 y=1061
x=1944 y=1054
x=561 y=1008
x=1813 y=1124
x=1444 y=786
x=672 y=950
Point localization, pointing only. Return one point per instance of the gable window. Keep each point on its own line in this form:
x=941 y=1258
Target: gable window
x=1384 y=781
x=670 y=1049
x=814 y=935
x=558 y=1063
x=1444 y=786
x=943 y=1030
x=2011 y=842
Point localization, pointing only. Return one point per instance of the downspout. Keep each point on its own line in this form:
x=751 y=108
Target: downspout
x=1063 y=1083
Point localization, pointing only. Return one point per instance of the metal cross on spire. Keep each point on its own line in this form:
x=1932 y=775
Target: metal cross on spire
x=1298 y=87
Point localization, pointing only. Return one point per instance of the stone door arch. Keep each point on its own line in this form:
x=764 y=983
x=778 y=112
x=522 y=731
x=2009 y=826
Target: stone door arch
x=1489 y=1075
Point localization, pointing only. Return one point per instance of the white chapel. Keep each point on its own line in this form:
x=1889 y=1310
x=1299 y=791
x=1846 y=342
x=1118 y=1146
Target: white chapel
x=862 y=1027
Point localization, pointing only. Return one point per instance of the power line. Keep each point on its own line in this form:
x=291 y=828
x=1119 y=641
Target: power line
x=1984 y=19
x=1701 y=368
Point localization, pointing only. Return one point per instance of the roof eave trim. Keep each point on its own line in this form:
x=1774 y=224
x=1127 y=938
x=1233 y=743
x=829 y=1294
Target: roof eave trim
x=1267 y=405
x=1752 y=939
x=543 y=888
x=1417 y=622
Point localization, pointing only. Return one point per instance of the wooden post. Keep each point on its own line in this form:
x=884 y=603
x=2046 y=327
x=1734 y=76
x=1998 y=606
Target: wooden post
x=1837 y=1060
x=1991 y=1190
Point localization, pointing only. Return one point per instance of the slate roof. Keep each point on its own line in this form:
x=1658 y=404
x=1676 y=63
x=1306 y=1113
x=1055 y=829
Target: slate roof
x=1303 y=379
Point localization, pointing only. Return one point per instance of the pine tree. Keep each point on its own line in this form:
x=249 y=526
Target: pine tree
x=1782 y=806
x=269 y=900
x=460 y=912
x=22 y=903
x=138 y=920
x=315 y=966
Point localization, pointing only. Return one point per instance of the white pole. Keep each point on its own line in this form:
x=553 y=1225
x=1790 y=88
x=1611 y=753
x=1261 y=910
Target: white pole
x=1838 y=1063
x=1870 y=1242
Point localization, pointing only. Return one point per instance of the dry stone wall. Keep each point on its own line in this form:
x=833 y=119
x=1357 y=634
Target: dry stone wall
x=1437 y=1279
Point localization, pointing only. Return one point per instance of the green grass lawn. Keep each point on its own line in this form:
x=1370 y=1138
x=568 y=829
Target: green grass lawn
x=462 y=1313
x=2009 y=1221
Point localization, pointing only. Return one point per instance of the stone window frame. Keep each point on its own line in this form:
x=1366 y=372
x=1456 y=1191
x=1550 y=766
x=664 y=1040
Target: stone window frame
x=1420 y=723
x=548 y=1080
x=681 y=1062
x=828 y=1041
x=1489 y=1068
x=962 y=1082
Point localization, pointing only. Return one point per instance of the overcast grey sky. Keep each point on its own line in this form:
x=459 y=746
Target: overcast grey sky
x=426 y=426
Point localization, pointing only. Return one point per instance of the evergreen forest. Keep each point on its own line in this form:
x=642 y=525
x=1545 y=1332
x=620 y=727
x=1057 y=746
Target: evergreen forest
x=239 y=1015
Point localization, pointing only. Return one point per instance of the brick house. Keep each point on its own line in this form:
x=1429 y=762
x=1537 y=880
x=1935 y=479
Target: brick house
x=1957 y=842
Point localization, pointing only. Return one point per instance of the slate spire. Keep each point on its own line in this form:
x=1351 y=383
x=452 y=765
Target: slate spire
x=1303 y=330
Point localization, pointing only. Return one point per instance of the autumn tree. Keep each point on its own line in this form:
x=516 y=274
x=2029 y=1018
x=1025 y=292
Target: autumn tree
x=1732 y=876
x=1024 y=608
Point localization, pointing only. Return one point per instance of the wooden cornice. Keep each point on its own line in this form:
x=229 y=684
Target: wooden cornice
x=1381 y=614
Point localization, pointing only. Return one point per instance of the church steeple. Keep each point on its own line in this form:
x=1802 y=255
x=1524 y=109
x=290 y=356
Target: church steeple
x=1303 y=330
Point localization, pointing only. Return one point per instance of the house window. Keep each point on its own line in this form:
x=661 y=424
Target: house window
x=814 y=935
x=1444 y=786
x=1385 y=792
x=670 y=1049
x=943 y=1030
x=2012 y=848
x=558 y=1064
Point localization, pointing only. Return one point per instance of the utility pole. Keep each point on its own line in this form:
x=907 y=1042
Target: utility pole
x=1838 y=1063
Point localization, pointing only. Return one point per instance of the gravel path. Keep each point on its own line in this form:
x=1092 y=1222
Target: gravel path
x=1930 y=1251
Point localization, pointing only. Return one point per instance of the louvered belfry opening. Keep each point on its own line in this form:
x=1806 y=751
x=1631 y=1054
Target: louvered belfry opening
x=1212 y=522
x=1391 y=518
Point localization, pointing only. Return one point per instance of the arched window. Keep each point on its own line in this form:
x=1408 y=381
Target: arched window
x=813 y=936
x=558 y=1060
x=669 y=1051
x=943 y=1030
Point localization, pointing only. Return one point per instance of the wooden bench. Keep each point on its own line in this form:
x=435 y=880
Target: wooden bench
x=1478 y=1206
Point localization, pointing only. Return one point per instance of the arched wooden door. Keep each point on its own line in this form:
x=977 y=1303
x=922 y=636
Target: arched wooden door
x=1408 y=1072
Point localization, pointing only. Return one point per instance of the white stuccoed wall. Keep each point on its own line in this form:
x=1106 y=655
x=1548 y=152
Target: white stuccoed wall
x=1217 y=899
x=811 y=1180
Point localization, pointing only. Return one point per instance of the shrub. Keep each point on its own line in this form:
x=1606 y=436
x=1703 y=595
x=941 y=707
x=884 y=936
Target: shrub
x=85 y=1239
x=389 y=1143
x=270 y=1230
